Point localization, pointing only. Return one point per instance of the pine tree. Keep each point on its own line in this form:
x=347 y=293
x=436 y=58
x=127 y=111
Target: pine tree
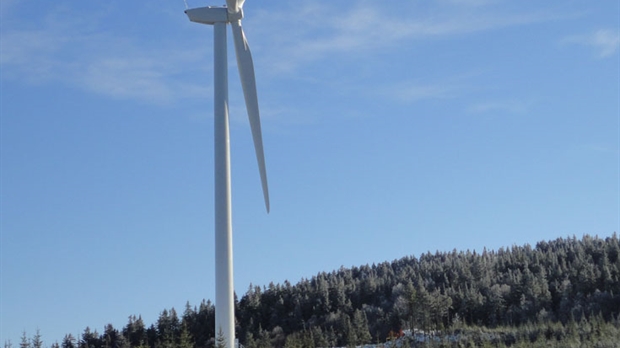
x=25 y=342
x=360 y=325
x=36 y=340
x=90 y=339
x=220 y=341
x=112 y=338
x=185 y=339
x=348 y=337
x=249 y=340
x=68 y=341
x=263 y=339
x=318 y=337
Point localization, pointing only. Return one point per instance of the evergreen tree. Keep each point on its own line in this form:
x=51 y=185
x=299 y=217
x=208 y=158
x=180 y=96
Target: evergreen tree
x=360 y=326
x=68 y=341
x=112 y=338
x=249 y=341
x=185 y=339
x=168 y=327
x=151 y=336
x=348 y=335
x=220 y=341
x=90 y=339
x=36 y=340
x=135 y=332
x=25 y=342
x=263 y=340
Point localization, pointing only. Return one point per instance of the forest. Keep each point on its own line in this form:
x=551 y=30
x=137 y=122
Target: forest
x=560 y=293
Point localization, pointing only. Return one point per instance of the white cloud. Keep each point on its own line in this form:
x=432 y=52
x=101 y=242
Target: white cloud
x=605 y=41
x=154 y=76
x=500 y=106
x=136 y=78
x=28 y=53
x=416 y=92
x=449 y=87
x=79 y=54
x=314 y=31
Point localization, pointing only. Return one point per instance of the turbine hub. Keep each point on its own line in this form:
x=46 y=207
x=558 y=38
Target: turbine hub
x=235 y=16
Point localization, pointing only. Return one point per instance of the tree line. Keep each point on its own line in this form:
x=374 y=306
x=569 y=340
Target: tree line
x=549 y=289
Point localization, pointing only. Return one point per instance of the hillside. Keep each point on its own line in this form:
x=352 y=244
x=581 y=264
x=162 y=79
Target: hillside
x=566 y=290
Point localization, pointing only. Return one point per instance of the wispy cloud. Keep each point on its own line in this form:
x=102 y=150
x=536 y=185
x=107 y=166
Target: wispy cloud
x=500 y=106
x=447 y=87
x=79 y=54
x=605 y=41
x=312 y=32
x=82 y=54
x=412 y=92
x=27 y=53
x=141 y=78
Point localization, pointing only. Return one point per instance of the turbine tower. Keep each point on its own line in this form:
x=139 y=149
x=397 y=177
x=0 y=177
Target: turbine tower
x=219 y=17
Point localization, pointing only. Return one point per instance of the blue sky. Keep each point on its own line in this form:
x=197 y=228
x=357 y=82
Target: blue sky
x=390 y=129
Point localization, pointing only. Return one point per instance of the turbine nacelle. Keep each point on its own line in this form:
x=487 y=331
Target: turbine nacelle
x=213 y=14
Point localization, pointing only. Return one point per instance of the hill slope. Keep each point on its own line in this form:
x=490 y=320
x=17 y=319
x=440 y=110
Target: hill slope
x=566 y=289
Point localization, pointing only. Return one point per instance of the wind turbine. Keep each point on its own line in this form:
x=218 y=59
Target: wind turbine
x=219 y=17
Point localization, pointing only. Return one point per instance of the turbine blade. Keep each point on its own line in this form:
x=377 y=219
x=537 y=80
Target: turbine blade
x=248 y=83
